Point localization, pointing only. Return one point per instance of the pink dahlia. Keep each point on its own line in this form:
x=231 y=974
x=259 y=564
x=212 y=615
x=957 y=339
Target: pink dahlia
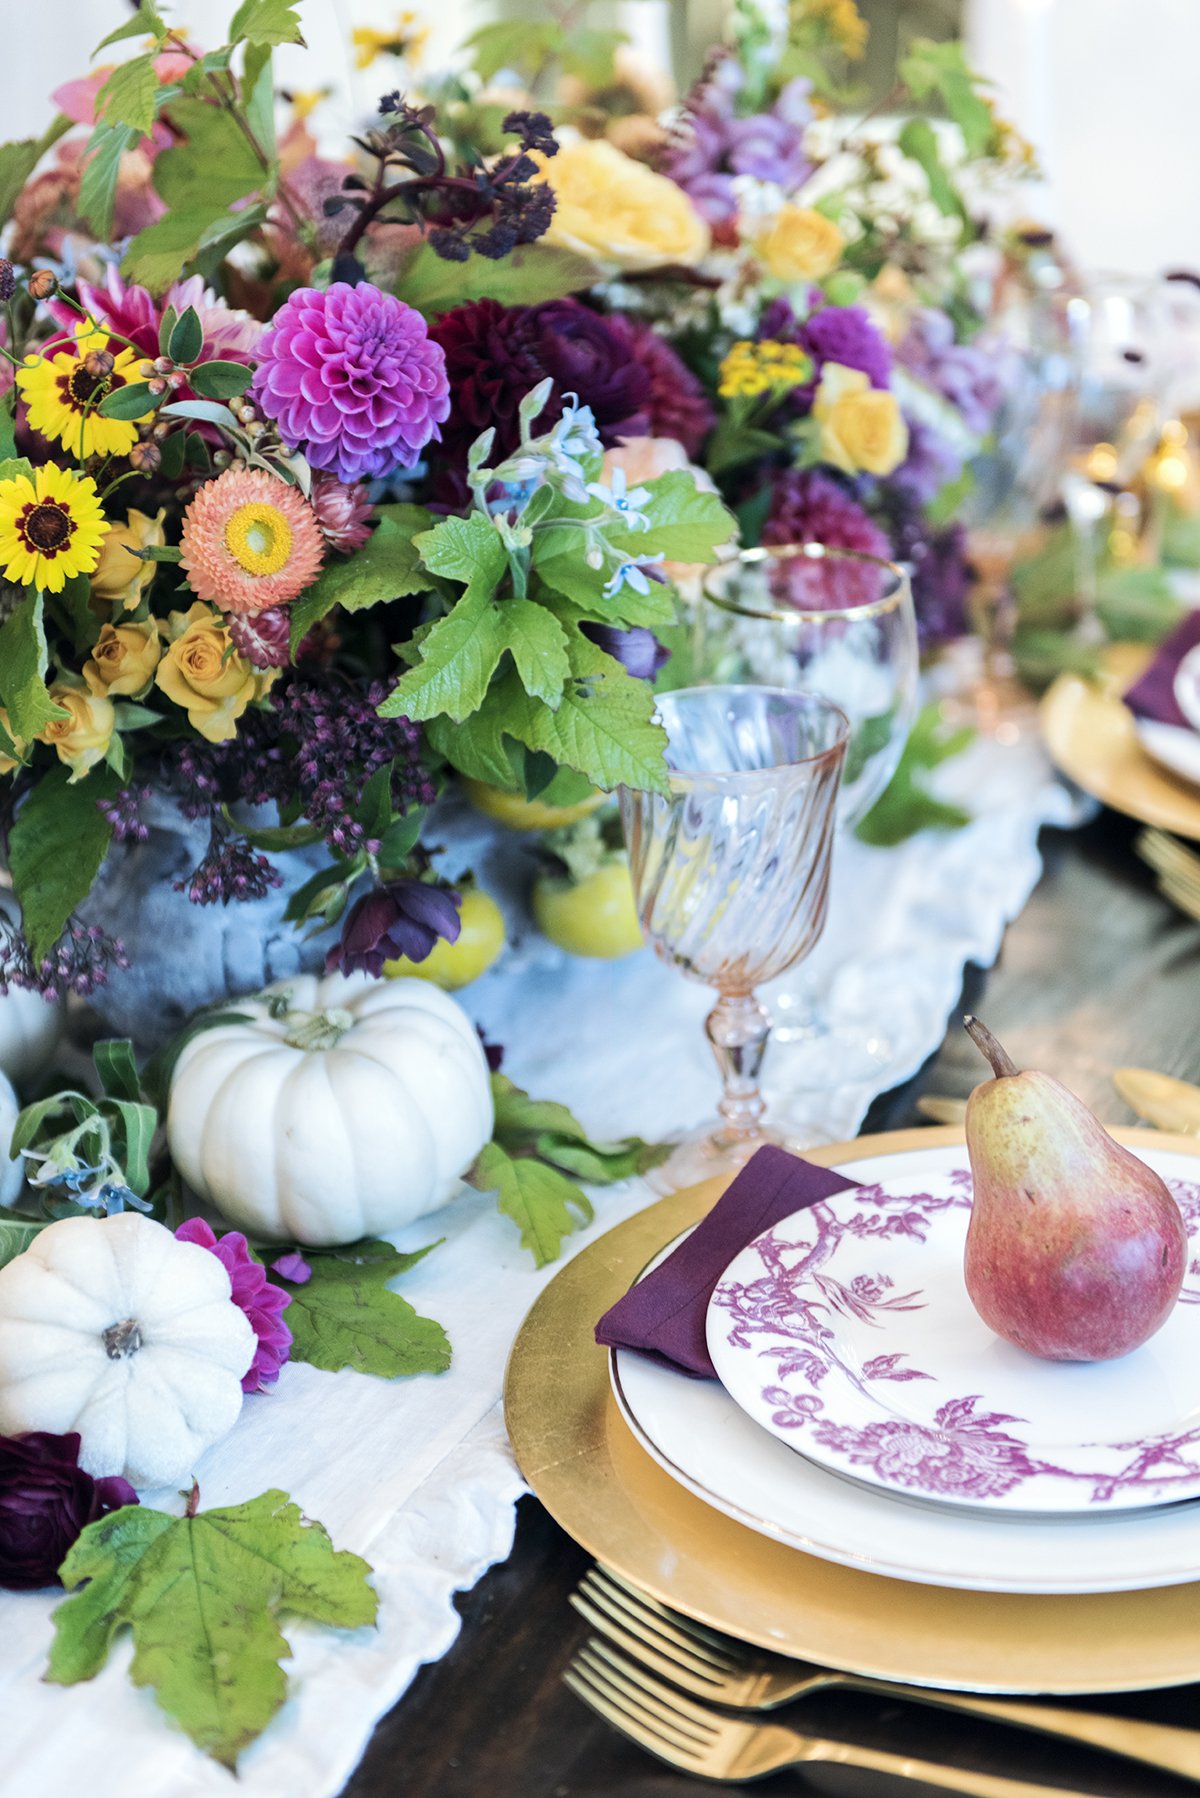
x=229 y=335
x=352 y=379
x=810 y=507
x=250 y=542
x=343 y=513
x=252 y=1293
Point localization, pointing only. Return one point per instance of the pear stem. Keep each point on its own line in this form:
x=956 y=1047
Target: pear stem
x=1002 y=1062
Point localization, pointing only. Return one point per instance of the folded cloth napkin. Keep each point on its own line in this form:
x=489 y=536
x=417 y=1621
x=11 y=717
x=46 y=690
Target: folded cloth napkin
x=663 y=1315
x=1154 y=695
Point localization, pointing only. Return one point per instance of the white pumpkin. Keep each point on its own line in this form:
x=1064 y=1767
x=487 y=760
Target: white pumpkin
x=30 y=1026
x=111 y=1327
x=343 y=1108
x=12 y=1173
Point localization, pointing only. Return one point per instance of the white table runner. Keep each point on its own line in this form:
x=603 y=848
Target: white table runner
x=416 y=1475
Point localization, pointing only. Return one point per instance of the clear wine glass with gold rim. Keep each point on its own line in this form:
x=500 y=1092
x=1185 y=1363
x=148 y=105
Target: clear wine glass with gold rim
x=731 y=875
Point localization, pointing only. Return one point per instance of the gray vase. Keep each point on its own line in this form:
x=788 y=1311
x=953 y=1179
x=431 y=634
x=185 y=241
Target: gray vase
x=184 y=956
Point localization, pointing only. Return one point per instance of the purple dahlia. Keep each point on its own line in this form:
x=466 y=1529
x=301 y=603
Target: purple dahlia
x=352 y=379
x=495 y=354
x=676 y=403
x=969 y=376
x=847 y=335
x=252 y=1293
x=46 y=1500
x=810 y=507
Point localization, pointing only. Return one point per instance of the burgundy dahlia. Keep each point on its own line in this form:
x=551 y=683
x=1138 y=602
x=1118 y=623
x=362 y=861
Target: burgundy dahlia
x=351 y=378
x=676 y=403
x=343 y=513
x=405 y=918
x=810 y=507
x=495 y=354
x=252 y=1293
x=46 y=1500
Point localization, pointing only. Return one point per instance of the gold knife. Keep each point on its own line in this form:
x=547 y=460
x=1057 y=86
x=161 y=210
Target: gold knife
x=1163 y=1101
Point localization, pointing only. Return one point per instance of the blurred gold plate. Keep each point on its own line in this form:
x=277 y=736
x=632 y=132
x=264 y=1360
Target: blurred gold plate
x=606 y=1492
x=1090 y=734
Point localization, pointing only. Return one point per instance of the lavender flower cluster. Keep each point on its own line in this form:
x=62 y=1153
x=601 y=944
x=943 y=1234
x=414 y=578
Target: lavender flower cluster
x=78 y=963
x=713 y=144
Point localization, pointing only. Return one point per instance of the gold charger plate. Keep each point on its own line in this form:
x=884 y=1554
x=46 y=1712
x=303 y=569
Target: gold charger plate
x=584 y=1465
x=1090 y=734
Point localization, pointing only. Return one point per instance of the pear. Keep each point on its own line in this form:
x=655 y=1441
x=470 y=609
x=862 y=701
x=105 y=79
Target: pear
x=1076 y=1251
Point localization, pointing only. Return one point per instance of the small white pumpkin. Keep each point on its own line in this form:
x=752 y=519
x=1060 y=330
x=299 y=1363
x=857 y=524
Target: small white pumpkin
x=30 y=1026
x=12 y=1173
x=112 y=1327
x=343 y=1108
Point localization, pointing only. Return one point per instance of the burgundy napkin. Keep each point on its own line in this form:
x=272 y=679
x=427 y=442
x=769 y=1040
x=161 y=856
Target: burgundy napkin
x=663 y=1315
x=1154 y=695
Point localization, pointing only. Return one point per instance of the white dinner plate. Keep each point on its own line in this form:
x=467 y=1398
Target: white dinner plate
x=1187 y=687
x=847 y=1331
x=1175 y=749
x=698 y=1435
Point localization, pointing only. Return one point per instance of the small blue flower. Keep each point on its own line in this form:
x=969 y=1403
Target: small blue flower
x=619 y=499
x=630 y=574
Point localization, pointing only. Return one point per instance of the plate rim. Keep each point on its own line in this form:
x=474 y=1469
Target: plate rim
x=588 y=1471
x=1164 y=800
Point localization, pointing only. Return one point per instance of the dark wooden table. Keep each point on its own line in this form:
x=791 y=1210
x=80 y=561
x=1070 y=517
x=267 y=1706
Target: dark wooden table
x=1097 y=972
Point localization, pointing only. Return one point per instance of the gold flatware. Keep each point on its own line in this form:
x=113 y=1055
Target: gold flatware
x=1163 y=1101
x=728 y=1672
x=1166 y=855
x=942 y=1108
x=698 y=1741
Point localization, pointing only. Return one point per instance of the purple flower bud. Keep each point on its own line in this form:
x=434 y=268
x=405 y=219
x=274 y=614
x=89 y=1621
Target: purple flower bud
x=403 y=919
x=46 y=1500
x=638 y=650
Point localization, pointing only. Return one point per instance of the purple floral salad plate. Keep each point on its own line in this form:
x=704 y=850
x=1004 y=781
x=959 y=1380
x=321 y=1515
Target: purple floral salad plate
x=847 y=1332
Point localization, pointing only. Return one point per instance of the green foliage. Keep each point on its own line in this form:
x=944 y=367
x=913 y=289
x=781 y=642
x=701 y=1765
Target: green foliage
x=186 y=337
x=200 y=179
x=23 y=664
x=16 y=1234
x=1136 y=605
x=604 y=726
x=346 y=1316
x=131 y=400
x=127 y=97
x=941 y=69
x=19 y=159
x=265 y=23
x=202 y=1595
x=533 y=273
x=543 y=1203
x=525 y=45
x=56 y=845
x=113 y=1133
x=685 y=524
x=908 y=806
x=457 y=659
x=387 y=567
x=145 y=22
x=98 y=188
x=220 y=380
x=918 y=140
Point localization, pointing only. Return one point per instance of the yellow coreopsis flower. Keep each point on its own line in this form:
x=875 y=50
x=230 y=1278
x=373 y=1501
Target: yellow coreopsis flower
x=751 y=369
x=64 y=390
x=124 y=659
x=406 y=38
x=862 y=429
x=800 y=244
x=81 y=739
x=51 y=527
x=612 y=209
x=203 y=672
x=120 y=576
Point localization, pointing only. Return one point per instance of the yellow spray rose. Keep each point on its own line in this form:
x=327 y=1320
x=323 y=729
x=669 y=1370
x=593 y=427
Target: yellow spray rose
x=615 y=210
x=861 y=428
x=800 y=244
x=81 y=739
x=124 y=659
x=120 y=578
x=8 y=762
x=202 y=672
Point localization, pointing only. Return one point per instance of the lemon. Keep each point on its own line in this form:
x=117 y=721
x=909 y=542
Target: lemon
x=520 y=813
x=595 y=916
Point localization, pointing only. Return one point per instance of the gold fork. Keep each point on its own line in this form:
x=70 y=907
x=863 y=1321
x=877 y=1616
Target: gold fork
x=698 y=1741
x=728 y=1672
x=1177 y=868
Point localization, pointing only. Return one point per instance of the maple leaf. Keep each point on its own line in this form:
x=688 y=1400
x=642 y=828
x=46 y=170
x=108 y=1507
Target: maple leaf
x=344 y=1316
x=201 y=1594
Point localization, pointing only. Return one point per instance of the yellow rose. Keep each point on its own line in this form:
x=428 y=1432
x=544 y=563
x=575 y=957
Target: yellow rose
x=615 y=210
x=81 y=739
x=862 y=428
x=202 y=672
x=120 y=578
x=8 y=762
x=800 y=244
x=124 y=659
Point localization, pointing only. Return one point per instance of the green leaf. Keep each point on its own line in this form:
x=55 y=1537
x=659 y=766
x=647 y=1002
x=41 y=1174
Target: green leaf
x=133 y=400
x=8 y=431
x=207 y=410
x=589 y=51
x=172 y=455
x=344 y=1316
x=201 y=1595
x=23 y=664
x=127 y=97
x=604 y=725
x=157 y=254
x=187 y=337
x=520 y=1120
x=139 y=1122
x=15 y=1237
x=867 y=738
x=258 y=94
x=685 y=524
x=1136 y=605
x=19 y=159
x=274 y=836
x=32 y=1119
x=220 y=380
x=907 y=805
x=538 y=646
x=388 y=566
x=530 y=275
x=200 y=179
x=942 y=67
x=918 y=139
x=265 y=22
x=601 y=1163
x=117 y=1069
x=478 y=747
x=400 y=839
x=465 y=549
x=57 y=843
x=98 y=188
x=145 y=20
x=520 y=44
x=458 y=658
x=543 y=1203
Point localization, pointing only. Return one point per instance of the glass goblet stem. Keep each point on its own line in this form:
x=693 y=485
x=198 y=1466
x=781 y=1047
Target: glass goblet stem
x=739 y=1028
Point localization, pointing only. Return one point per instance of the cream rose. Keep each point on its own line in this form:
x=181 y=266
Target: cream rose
x=800 y=244
x=614 y=210
x=202 y=672
x=120 y=578
x=124 y=659
x=861 y=427
x=81 y=739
